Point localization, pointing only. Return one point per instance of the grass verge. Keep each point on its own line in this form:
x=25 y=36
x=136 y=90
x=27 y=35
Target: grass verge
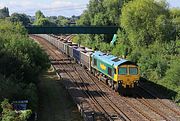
x=55 y=104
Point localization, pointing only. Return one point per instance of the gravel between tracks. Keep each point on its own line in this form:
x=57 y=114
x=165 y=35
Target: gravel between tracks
x=129 y=108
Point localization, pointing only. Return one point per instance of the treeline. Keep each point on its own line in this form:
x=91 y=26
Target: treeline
x=39 y=19
x=149 y=35
x=21 y=62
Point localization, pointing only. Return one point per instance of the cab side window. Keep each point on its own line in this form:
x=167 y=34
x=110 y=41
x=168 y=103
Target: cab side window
x=110 y=71
x=95 y=62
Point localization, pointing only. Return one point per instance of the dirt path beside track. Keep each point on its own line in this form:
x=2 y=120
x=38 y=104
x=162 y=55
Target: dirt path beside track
x=55 y=102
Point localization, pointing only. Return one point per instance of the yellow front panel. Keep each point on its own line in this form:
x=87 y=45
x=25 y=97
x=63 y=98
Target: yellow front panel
x=115 y=77
x=128 y=79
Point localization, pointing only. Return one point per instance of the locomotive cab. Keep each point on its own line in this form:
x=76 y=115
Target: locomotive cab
x=128 y=75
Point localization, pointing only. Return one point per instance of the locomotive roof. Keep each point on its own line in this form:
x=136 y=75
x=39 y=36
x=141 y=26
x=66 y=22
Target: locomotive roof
x=110 y=59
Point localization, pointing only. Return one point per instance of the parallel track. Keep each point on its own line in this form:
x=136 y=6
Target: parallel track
x=97 y=103
x=108 y=104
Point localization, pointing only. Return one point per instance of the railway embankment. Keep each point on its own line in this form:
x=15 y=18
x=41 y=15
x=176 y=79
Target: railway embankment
x=96 y=100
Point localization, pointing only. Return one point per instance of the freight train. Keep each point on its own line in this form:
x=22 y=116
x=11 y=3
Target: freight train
x=115 y=72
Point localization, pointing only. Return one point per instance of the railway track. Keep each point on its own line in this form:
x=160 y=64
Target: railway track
x=93 y=101
x=158 y=114
x=160 y=101
x=112 y=105
x=93 y=87
x=119 y=113
x=156 y=104
x=93 y=96
x=100 y=102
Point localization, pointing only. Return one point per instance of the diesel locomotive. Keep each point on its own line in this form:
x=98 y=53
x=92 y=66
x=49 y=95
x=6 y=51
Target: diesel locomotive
x=114 y=71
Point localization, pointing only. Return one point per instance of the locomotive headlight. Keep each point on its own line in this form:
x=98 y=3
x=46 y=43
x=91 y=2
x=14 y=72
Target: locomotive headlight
x=135 y=81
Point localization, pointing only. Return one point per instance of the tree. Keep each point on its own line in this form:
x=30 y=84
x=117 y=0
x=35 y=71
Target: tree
x=39 y=15
x=146 y=21
x=4 y=12
x=23 y=18
x=62 y=21
x=7 y=28
x=52 y=18
x=101 y=13
x=84 y=19
x=175 y=16
x=41 y=20
x=9 y=114
x=44 y=22
x=113 y=11
x=21 y=62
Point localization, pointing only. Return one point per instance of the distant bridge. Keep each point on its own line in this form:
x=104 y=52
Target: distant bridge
x=73 y=30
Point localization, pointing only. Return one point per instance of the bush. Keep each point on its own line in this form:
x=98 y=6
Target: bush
x=21 y=62
x=9 y=114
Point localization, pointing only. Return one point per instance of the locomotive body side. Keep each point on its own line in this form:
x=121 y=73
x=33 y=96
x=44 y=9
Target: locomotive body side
x=115 y=71
x=118 y=71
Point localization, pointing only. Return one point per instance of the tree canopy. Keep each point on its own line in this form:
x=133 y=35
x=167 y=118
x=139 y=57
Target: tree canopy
x=39 y=15
x=9 y=114
x=146 y=21
x=62 y=21
x=4 y=12
x=41 y=20
x=21 y=62
x=23 y=18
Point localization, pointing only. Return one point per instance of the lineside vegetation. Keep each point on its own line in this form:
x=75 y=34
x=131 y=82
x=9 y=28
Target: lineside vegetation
x=150 y=36
x=21 y=62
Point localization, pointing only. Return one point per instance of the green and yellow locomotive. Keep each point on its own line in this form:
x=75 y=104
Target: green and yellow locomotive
x=115 y=71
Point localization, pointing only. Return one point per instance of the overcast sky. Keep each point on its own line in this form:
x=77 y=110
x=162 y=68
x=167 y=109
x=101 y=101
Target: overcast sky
x=54 y=7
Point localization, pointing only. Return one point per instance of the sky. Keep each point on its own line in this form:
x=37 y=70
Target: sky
x=54 y=7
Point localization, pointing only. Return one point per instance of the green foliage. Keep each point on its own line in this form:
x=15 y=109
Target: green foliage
x=172 y=78
x=85 y=19
x=28 y=57
x=120 y=50
x=39 y=15
x=23 y=18
x=173 y=75
x=122 y=47
x=146 y=21
x=62 y=21
x=30 y=94
x=175 y=16
x=42 y=21
x=52 y=18
x=10 y=89
x=21 y=62
x=7 y=29
x=101 y=13
x=4 y=12
x=112 y=11
x=9 y=114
